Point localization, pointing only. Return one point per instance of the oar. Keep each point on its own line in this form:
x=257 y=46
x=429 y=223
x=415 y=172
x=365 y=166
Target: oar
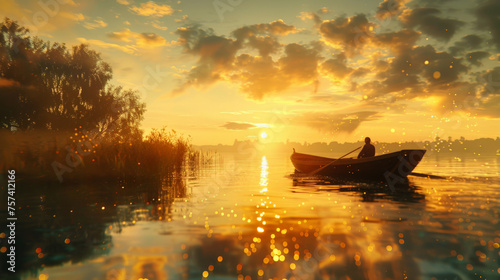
x=427 y=175
x=323 y=167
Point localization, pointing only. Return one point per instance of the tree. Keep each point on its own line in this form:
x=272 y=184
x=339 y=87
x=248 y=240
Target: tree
x=47 y=86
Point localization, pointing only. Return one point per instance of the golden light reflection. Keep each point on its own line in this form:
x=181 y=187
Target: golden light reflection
x=264 y=173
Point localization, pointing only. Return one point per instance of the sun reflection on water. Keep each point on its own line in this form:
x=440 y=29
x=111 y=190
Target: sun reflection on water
x=264 y=174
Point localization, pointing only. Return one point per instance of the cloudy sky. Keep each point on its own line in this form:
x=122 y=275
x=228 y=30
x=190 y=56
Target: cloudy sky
x=394 y=70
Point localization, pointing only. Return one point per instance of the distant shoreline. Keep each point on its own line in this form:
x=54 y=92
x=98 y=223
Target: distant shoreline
x=481 y=146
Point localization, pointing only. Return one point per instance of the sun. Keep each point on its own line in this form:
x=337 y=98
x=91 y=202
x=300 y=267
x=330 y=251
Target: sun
x=263 y=135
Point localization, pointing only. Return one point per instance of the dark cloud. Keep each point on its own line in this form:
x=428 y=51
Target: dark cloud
x=396 y=86
x=490 y=107
x=215 y=50
x=414 y=72
x=256 y=75
x=349 y=32
x=216 y=55
x=401 y=73
x=263 y=36
x=475 y=58
x=329 y=122
x=389 y=8
x=399 y=40
x=471 y=41
x=467 y=43
x=487 y=102
x=266 y=45
x=336 y=67
x=256 y=60
x=238 y=125
x=427 y=21
x=448 y=67
x=278 y=27
x=490 y=82
x=190 y=36
x=300 y=63
x=487 y=13
x=359 y=72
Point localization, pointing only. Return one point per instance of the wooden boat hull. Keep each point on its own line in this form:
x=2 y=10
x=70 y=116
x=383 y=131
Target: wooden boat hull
x=393 y=166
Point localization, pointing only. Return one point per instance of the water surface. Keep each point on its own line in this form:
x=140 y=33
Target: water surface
x=243 y=217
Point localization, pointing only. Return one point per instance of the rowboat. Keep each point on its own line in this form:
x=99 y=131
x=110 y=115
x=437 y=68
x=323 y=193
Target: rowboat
x=388 y=167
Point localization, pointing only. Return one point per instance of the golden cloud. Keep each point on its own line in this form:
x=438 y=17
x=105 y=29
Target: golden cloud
x=106 y=45
x=95 y=24
x=152 y=9
x=157 y=26
x=396 y=70
x=144 y=40
x=73 y=16
x=389 y=8
x=238 y=125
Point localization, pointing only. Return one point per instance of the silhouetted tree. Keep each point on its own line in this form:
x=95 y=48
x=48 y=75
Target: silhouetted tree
x=47 y=86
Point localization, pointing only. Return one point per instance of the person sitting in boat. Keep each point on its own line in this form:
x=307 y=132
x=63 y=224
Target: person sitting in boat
x=368 y=149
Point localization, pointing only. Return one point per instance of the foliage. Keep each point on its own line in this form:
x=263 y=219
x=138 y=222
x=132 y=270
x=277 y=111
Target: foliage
x=47 y=86
x=59 y=108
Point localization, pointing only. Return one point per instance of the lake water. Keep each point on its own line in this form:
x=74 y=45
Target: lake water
x=242 y=217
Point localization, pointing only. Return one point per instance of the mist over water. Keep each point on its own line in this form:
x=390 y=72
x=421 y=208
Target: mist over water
x=245 y=218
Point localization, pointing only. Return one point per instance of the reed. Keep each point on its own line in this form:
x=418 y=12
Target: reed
x=33 y=154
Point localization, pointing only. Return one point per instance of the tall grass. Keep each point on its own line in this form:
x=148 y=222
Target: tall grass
x=34 y=154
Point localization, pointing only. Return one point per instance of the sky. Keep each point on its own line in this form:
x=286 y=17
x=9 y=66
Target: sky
x=315 y=71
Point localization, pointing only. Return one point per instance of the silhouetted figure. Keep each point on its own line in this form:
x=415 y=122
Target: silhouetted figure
x=368 y=149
